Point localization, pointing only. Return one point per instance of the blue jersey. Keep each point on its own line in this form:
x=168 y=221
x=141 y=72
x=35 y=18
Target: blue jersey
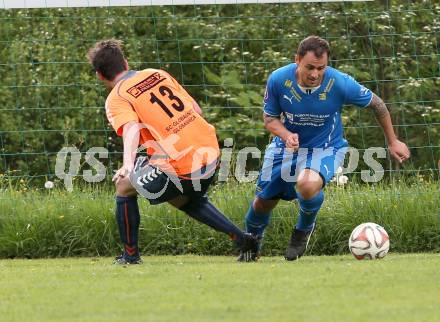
x=315 y=117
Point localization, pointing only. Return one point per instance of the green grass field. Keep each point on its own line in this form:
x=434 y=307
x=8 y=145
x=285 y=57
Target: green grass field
x=201 y=288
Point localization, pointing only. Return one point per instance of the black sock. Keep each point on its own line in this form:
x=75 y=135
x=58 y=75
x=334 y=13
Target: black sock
x=128 y=219
x=205 y=212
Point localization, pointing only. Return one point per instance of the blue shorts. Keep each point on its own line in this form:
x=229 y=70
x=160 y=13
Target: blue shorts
x=280 y=169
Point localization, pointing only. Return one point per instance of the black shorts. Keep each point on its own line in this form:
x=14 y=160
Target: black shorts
x=158 y=186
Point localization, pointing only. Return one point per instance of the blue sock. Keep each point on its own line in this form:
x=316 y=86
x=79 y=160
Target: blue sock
x=308 y=211
x=128 y=219
x=205 y=212
x=255 y=222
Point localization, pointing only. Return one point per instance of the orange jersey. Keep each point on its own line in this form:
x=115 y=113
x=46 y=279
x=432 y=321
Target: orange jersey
x=171 y=129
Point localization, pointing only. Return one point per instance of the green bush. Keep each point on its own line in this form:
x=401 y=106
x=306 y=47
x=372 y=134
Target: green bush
x=81 y=223
x=223 y=54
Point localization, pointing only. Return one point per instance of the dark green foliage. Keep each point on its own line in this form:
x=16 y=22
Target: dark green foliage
x=50 y=98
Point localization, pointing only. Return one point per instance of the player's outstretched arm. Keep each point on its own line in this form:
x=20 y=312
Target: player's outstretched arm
x=276 y=127
x=130 y=137
x=398 y=150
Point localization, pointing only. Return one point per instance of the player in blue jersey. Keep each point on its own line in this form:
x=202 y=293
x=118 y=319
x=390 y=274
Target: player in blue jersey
x=302 y=109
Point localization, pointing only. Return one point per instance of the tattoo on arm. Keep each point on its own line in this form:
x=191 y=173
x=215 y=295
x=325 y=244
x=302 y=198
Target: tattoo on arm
x=268 y=119
x=378 y=106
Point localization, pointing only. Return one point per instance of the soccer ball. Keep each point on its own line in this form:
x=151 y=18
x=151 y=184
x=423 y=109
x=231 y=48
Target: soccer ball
x=369 y=241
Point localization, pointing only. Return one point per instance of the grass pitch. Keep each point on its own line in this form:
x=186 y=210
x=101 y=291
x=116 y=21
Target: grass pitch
x=201 y=288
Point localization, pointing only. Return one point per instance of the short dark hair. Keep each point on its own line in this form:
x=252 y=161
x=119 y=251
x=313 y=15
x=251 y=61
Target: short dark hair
x=315 y=44
x=107 y=58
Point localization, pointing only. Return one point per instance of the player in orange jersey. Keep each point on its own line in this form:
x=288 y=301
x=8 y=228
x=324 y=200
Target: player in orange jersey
x=153 y=112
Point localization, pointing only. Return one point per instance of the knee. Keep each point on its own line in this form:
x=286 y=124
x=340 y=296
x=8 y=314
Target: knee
x=264 y=206
x=124 y=188
x=190 y=205
x=308 y=188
